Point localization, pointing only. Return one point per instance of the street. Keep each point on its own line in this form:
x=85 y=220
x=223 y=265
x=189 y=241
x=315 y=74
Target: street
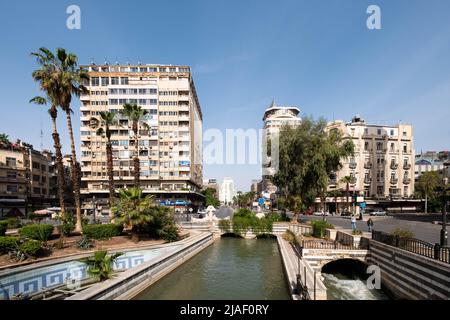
x=425 y=231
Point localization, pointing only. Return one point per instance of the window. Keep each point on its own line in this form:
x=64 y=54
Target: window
x=366 y=145
x=114 y=80
x=162 y=69
x=392 y=146
x=94 y=82
x=113 y=102
x=405 y=192
x=44 y=179
x=379 y=131
x=36 y=165
x=352 y=132
x=11 y=188
x=124 y=80
x=404 y=133
x=113 y=91
x=43 y=167
x=105 y=81
x=10 y=162
x=37 y=190
x=379 y=190
x=366 y=130
x=392 y=132
x=11 y=174
x=405 y=148
x=153 y=91
x=393 y=175
x=379 y=145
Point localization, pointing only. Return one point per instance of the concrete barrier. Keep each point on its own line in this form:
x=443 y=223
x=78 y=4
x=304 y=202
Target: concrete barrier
x=129 y=283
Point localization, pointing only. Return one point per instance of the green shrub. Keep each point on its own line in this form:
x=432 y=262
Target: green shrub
x=403 y=233
x=12 y=223
x=3 y=227
x=319 y=228
x=102 y=231
x=85 y=243
x=356 y=232
x=41 y=232
x=7 y=244
x=68 y=225
x=225 y=225
x=31 y=248
x=289 y=236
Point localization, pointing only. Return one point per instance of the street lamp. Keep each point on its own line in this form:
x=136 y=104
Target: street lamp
x=444 y=213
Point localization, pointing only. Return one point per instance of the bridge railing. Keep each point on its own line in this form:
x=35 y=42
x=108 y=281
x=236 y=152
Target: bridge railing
x=417 y=246
x=333 y=245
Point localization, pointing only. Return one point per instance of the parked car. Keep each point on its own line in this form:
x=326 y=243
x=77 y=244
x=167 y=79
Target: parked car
x=321 y=213
x=346 y=214
x=378 y=213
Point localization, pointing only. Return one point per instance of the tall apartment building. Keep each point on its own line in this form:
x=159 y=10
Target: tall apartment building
x=430 y=161
x=227 y=191
x=170 y=146
x=274 y=118
x=25 y=178
x=383 y=164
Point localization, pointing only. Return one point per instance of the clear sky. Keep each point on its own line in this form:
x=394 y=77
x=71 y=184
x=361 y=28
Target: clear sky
x=318 y=55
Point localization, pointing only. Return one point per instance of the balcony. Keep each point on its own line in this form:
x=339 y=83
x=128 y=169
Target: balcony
x=394 y=165
x=368 y=165
x=394 y=180
x=352 y=165
x=406 y=166
x=406 y=180
x=367 y=180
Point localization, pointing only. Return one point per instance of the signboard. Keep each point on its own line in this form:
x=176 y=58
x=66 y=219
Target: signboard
x=184 y=163
x=261 y=201
x=362 y=205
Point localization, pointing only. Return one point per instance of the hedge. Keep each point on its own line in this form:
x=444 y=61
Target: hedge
x=7 y=244
x=319 y=228
x=40 y=232
x=31 y=248
x=102 y=231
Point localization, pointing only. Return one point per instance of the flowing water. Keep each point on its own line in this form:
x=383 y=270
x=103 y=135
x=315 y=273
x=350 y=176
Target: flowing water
x=231 y=268
x=344 y=287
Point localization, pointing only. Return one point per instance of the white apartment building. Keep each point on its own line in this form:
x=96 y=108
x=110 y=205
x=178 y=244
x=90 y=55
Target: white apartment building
x=227 y=190
x=274 y=118
x=170 y=146
x=383 y=164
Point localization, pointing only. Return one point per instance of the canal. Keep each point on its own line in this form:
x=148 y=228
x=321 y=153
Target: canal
x=229 y=269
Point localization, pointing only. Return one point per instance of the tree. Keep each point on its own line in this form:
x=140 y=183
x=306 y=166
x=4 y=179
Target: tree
x=67 y=79
x=135 y=115
x=4 y=138
x=100 y=265
x=44 y=76
x=210 y=197
x=308 y=155
x=347 y=180
x=103 y=125
x=426 y=188
x=143 y=216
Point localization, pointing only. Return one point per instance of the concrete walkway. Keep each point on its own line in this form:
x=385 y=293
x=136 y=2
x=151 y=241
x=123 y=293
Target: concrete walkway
x=292 y=266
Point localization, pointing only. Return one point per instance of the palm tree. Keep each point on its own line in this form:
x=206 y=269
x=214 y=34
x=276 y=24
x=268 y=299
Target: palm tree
x=100 y=265
x=53 y=111
x=135 y=114
x=70 y=79
x=107 y=119
x=347 y=180
x=44 y=76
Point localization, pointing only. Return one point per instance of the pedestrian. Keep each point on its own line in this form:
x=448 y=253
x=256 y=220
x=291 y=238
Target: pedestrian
x=370 y=224
x=353 y=223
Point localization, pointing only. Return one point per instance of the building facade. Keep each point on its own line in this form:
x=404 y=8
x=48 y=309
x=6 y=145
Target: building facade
x=212 y=184
x=25 y=178
x=430 y=161
x=383 y=163
x=227 y=191
x=170 y=143
x=274 y=118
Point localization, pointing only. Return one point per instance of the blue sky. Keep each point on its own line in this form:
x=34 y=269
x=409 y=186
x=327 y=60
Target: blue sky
x=317 y=55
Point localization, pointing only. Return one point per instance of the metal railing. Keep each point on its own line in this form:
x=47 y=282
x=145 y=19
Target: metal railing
x=417 y=246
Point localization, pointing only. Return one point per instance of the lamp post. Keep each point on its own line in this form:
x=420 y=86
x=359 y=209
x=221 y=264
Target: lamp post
x=444 y=213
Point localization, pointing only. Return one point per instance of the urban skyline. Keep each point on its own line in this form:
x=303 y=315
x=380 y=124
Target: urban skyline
x=237 y=74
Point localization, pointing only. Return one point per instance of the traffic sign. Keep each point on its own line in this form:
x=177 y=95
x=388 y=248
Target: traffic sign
x=261 y=201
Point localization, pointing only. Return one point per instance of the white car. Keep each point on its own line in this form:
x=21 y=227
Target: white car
x=321 y=213
x=378 y=213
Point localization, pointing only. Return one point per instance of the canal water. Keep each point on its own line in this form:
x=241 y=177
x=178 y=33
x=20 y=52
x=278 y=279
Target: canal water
x=229 y=269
